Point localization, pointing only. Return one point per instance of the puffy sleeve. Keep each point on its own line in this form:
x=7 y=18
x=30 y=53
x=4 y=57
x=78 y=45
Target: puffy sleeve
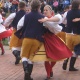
x=60 y=18
x=20 y=23
x=9 y=19
x=54 y=27
x=64 y=20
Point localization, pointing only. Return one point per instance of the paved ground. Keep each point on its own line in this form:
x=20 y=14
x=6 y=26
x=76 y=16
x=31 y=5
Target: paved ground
x=8 y=71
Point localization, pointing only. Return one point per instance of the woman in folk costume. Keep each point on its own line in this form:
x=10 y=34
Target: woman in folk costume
x=12 y=20
x=3 y=32
x=28 y=9
x=57 y=20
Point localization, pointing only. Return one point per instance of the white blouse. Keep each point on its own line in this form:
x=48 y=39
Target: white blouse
x=20 y=23
x=2 y=28
x=54 y=27
x=9 y=19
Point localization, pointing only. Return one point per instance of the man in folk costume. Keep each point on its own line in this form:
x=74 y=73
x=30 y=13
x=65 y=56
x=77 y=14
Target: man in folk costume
x=12 y=20
x=32 y=36
x=73 y=33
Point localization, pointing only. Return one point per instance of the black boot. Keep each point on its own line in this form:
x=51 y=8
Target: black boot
x=30 y=68
x=72 y=62
x=17 y=56
x=2 y=53
x=51 y=74
x=65 y=64
x=26 y=71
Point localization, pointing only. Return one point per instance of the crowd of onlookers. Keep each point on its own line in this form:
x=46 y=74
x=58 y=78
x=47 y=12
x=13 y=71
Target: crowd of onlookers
x=9 y=5
x=57 y=5
x=12 y=5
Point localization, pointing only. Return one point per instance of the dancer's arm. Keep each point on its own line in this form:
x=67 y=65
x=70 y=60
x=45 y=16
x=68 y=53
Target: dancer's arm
x=56 y=18
x=20 y=23
x=1 y=20
x=76 y=20
x=9 y=19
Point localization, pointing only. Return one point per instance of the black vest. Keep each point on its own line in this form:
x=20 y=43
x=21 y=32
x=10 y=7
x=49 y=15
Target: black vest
x=33 y=28
x=73 y=26
x=18 y=16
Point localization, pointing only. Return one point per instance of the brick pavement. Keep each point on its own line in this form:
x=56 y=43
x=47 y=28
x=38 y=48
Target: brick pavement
x=8 y=71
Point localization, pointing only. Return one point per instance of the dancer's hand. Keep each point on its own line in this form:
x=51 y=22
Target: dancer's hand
x=7 y=27
x=43 y=20
x=76 y=20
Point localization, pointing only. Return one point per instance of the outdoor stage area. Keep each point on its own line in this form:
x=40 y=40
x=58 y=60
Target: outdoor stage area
x=10 y=71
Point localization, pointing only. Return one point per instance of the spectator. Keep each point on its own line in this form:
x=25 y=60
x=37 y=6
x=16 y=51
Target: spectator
x=42 y=6
x=14 y=6
x=55 y=5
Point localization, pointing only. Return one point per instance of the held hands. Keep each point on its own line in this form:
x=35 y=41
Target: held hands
x=76 y=20
x=6 y=27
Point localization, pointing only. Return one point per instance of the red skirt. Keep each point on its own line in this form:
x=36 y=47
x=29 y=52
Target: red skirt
x=6 y=34
x=55 y=47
